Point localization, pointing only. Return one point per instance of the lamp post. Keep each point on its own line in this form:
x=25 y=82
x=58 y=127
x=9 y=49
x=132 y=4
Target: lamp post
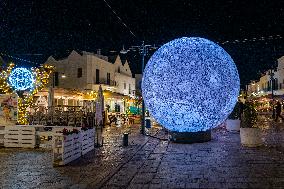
x=271 y=74
x=143 y=53
x=143 y=49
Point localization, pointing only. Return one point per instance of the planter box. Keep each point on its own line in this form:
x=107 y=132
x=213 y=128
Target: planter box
x=2 y=135
x=66 y=148
x=87 y=140
x=233 y=125
x=251 y=137
x=20 y=137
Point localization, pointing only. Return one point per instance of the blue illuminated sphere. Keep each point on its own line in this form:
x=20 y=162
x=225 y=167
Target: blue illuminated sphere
x=190 y=85
x=21 y=79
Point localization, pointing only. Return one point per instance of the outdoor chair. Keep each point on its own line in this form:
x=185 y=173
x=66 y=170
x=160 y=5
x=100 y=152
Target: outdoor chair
x=71 y=119
x=43 y=119
x=30 y=119
x=36 y=120
x=64 y=118
x=112 y=119
x=49 y=119
x=57 y=118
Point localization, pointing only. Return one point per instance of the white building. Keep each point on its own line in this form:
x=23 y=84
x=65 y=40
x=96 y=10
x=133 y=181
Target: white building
x=263 y=86
x=87 y=71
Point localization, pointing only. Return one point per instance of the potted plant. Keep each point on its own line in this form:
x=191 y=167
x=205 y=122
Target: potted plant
x=233 y=122
x=249 y=132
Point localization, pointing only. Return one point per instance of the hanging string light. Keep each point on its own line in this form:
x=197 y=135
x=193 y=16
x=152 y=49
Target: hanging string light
x=25 y=95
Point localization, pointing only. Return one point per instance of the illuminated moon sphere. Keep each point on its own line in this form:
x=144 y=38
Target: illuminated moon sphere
x=21 y=79
x=190 y=85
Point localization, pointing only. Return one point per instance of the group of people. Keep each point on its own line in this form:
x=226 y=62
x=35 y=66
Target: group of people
x=276 y=111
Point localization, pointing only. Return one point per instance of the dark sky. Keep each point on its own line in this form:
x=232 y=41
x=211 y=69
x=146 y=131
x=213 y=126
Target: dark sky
x=54 y=27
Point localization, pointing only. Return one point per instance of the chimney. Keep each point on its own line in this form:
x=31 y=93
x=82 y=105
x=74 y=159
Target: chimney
x=99 y=52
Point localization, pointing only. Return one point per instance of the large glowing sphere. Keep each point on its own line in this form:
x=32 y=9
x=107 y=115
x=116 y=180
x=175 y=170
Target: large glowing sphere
x=190 y=85
x=21 y=79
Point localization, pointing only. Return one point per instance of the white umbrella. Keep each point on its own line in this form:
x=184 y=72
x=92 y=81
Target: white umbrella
x=99 y=106
x=50 y=97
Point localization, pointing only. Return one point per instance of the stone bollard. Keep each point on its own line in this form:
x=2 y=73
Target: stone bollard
x=125 y=139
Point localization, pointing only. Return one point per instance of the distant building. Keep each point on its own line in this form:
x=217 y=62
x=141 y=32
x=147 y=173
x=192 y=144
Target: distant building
x=87 y=71
x=263 y=86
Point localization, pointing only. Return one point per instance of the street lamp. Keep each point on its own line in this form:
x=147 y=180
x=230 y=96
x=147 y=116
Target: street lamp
x=143 y=49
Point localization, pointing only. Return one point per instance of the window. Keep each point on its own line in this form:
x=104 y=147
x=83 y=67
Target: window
x=108 y=78
x=124 y=85
x=97 y=76
x=275 y=84
x=129 y=89
x=79 y=73
x=56 y=79
x=118 y=70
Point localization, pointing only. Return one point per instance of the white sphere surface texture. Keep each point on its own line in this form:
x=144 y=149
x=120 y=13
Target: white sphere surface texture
x=190 y=85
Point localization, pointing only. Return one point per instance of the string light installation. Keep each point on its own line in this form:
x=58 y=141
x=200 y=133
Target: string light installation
x=21 y=79
x=190 y=85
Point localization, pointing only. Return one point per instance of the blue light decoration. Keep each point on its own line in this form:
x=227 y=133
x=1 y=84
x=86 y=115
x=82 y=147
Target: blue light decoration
x=21 y=79
x=190 y=85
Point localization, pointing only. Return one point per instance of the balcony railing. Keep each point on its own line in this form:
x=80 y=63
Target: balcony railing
x=105 y=82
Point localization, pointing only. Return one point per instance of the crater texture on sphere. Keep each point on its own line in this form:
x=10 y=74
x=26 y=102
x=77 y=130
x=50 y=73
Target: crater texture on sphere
x=21 y=79
x=190 y=85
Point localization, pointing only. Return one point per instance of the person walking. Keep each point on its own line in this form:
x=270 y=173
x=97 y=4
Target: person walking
x=241 y=109
x=278 y=111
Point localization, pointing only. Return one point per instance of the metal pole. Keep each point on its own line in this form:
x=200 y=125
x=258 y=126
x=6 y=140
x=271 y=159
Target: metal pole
x=143 y=105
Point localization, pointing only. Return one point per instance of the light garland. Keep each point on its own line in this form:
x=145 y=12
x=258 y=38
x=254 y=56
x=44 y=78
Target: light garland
x=4 y=85
x=21 y=79
x=37 y=79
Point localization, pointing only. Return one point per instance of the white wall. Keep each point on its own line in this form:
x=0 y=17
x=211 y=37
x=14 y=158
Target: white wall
x=123 y=82
x=262 y=84
x=89 y=63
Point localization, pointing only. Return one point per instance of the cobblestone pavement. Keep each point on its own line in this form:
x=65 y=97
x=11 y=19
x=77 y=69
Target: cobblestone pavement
x=149 y=162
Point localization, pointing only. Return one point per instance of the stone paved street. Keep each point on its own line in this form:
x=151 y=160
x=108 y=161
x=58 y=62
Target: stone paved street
x=149 y=162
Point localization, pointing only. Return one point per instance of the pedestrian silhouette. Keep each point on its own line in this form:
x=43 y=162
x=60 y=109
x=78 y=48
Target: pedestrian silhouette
x=241 y=109
x=278 y=111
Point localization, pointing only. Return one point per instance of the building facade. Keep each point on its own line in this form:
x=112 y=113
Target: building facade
x=270 y=78
x=87 y=71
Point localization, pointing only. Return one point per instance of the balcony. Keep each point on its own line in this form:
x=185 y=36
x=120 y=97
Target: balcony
x=105 y=82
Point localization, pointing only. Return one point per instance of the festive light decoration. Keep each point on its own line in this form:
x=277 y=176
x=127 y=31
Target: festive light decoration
x=190 y=85
x=26 y=84
x=21 y=79
x=4 y=85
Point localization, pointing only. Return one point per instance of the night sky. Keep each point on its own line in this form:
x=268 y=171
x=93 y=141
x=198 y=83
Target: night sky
x=34 y=30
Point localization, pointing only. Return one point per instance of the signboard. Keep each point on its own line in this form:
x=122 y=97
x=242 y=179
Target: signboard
x=8 y=109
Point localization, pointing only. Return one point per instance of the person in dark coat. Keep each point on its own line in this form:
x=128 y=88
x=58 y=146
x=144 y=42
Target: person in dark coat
x=278 y=111
x=241 y=109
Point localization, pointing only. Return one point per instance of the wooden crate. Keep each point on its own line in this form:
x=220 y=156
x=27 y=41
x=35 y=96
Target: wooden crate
x=66 y=148
x=20 y=137
x=28 y=137
x=87 y=140
x=2 y=134
x=12 y=136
